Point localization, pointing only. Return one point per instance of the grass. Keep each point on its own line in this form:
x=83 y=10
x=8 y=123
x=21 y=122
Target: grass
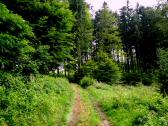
x=131 y=106
x=44 y=102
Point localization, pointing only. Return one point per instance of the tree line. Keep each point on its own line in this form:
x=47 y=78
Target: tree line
x=39 y=36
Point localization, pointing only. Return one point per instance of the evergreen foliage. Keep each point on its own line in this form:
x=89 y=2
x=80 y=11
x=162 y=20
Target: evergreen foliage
x=103 y=68
x=163 y=71
x=106 y=30
x=82 y=30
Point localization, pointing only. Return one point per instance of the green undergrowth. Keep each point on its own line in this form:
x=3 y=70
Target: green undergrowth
x=46 y=101
x=87 y=81
x=131 y=106
x=88 y=116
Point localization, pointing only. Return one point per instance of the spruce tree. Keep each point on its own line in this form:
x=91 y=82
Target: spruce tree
x=82 y=31
x=106 y=31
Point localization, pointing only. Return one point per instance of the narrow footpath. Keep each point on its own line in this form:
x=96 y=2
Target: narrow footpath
x=80 y=109
x=104 y=120
x=75 y=117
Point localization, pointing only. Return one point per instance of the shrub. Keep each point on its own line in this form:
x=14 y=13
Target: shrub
x=87 y=81
x=79 y=74
x=103 y=68
x=134 y=78
x=163 y=71
x=131 y=78
x=147 y=79
x=140 y=120
x=108 y=70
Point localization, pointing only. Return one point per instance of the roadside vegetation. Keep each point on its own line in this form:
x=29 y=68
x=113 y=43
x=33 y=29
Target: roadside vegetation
x=44 y=101
x=131 y=105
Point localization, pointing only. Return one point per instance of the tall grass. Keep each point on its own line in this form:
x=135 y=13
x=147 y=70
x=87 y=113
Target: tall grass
x=132 y=106
x=44 y=102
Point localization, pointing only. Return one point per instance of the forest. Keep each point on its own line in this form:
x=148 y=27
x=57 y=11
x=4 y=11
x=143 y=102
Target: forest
x=62 y=65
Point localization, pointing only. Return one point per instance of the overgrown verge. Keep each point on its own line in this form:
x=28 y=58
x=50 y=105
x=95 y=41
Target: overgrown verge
x=45 y=101
x=132 y=106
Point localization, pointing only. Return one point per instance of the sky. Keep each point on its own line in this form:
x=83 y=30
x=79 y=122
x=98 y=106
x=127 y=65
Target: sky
x=115 y=5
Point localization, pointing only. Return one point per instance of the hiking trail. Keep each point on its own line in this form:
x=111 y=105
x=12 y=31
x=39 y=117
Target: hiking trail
x=79 y=109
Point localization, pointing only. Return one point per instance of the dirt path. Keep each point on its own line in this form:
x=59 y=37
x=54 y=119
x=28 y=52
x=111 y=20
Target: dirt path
x=76 y=108
x=104 y=118
x=79 y=110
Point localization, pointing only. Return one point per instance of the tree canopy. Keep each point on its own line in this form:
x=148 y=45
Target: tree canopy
x=44 y=36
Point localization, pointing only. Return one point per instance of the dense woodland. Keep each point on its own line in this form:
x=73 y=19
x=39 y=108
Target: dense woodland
x=41 y=39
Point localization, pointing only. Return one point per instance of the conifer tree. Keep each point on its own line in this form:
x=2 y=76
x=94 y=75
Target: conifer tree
x=106 y=30
x=82 y=30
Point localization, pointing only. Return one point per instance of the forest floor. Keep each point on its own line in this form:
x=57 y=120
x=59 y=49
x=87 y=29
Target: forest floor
x=86 y=112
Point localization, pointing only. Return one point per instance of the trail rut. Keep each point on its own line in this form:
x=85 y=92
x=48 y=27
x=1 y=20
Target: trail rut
x=78 y=110
x=104 y=118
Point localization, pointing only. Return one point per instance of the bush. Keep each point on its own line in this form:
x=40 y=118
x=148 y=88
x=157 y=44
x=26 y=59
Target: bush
x=87 y=81
x=103 y=69
x=108 y=70
x=131 y=78
x=163 y=71
x=79 y=74
x=140 y=120
x=147 y=79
